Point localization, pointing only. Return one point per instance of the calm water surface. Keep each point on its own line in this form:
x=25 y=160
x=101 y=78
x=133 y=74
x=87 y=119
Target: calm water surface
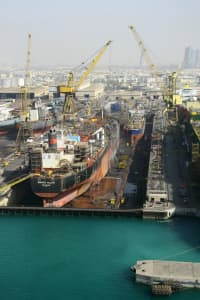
x=88 y=258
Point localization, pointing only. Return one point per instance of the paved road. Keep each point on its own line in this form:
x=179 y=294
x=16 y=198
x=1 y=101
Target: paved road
x=177 y=170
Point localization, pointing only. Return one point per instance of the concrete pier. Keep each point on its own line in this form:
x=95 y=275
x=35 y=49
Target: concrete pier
x=175 y=274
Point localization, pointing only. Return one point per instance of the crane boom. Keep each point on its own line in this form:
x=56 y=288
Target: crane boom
x=145 y=53
x=92 y=65
x=71 y=87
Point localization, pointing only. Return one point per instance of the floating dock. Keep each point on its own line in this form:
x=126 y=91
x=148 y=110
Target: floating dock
x=166 y=277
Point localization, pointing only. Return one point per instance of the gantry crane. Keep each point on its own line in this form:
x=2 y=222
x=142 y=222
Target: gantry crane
x=71 y=87
x=25 y=129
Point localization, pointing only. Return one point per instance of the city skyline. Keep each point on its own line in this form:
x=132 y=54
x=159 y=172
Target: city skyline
x=68 y=33
x=191 y=58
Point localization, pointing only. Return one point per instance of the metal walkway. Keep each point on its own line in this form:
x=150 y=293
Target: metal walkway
x=13 y=182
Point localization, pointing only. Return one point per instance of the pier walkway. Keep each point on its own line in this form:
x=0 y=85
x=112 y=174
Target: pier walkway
x=68 y=211
x=175 y=274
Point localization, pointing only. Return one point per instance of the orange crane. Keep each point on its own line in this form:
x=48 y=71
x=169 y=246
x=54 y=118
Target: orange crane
x=71 y=87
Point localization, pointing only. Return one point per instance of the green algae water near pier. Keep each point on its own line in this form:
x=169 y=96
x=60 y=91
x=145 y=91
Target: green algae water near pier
x=88 y=257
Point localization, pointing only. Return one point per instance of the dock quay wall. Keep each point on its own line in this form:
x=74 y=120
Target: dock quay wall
x=163 y=214
x=69 y=211
x=184 y=283
x=191 y=212
x=137 y=212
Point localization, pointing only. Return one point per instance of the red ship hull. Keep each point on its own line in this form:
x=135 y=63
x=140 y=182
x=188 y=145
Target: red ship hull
x=58 y=190
x=64 y=198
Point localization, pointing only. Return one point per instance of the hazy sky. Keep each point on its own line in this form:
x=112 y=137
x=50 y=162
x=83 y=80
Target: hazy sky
x=67 y=32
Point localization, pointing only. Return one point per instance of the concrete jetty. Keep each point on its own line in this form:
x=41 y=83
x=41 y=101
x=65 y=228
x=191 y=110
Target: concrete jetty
x=172 y=274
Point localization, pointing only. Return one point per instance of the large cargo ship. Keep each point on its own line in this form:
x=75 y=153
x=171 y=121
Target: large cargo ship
x=40 y=118
x=8 y=119
x=136 y=125
x=73 y=160
x=8 y=125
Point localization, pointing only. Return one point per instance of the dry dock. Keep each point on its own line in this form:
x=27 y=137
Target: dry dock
x=165 y=276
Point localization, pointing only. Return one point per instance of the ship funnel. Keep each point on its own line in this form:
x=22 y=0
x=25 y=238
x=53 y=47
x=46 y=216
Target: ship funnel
x=52 y=139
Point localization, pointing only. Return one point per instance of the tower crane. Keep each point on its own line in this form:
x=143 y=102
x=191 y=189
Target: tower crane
x=25 y=129
x=25 y=90
x=71 y=87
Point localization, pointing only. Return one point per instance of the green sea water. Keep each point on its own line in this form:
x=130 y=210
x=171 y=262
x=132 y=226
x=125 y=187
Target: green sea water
x=88 y=257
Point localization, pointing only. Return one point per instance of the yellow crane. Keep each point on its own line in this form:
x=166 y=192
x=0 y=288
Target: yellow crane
x=25 y=90
x=25 y=129
x=145 y=53
x=71 y=87
x=174 y=98
x=174 y=77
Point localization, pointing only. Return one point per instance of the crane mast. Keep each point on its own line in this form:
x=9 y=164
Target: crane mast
x=71 y=87
x=25 y=90
x=25 y=129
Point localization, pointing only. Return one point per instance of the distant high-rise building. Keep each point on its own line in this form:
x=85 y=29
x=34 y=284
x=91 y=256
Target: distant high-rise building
x=191 y=58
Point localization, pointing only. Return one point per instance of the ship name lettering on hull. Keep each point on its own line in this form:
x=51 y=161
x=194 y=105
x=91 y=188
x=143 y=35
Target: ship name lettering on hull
x=45 y=183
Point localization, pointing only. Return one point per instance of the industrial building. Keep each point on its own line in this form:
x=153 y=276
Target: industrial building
x=15 y=93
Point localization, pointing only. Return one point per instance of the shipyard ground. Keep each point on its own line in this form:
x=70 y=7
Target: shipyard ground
x=112 y=196
x=110 y=193
x=181 y=191
x=130 y=166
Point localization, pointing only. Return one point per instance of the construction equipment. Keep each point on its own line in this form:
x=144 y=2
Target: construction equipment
x=145 y=53
x=25 y=129
x=25 y=90
x=149 y=62
x=122 y=165
x=174 y=98
x=71 y=87
x=174 y=80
